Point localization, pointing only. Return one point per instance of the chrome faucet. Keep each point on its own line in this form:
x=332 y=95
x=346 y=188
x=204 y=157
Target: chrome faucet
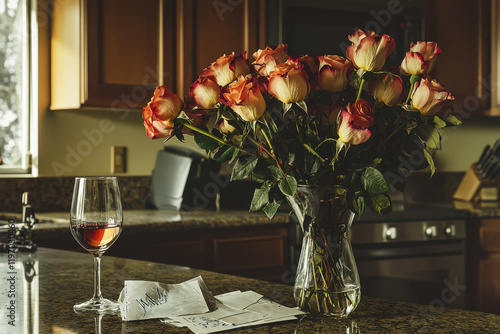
x=19 y=234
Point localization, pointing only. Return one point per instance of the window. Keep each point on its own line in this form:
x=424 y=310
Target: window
x=18 y=96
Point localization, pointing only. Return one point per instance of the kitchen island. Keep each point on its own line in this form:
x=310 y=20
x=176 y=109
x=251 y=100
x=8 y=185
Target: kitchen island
x=51 y=281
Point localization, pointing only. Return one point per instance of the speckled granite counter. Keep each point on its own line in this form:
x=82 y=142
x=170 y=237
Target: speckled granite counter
x=168 y=220
x=60 y=279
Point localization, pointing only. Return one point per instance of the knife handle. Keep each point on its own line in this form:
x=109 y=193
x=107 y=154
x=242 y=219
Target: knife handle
x=484 y=156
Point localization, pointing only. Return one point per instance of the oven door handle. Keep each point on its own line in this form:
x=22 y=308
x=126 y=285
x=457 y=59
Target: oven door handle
x=400 y=250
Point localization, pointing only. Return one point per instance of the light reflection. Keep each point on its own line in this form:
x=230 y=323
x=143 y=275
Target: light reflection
x=326 y=325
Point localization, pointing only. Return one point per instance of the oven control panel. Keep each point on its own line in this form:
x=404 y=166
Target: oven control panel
x=407 y=231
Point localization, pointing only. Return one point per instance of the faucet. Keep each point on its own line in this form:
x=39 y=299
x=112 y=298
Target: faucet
x=19 y=235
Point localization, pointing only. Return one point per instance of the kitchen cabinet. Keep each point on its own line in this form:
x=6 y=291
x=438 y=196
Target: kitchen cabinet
x=484 y=264
x=113 y=53
x=463 y=31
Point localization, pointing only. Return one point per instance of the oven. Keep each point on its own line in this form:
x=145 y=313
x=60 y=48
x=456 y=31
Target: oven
x=414 y=255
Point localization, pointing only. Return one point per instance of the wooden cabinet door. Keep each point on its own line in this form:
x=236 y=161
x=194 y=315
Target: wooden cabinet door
x=125 y=51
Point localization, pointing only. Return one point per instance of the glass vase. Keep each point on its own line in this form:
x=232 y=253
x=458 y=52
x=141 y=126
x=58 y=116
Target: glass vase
x=327 y=280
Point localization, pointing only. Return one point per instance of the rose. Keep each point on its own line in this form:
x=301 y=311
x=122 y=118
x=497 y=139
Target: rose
x=160 y=113
x=267 y=59
x=421 y=58
x=204 y=92
x=227 y=68
x=289 y=82
x=245 y=98
x=362 y=113
x=369 y=50
x=388 y=90
x=333 y=73
x=350 y=133
x=430 y=97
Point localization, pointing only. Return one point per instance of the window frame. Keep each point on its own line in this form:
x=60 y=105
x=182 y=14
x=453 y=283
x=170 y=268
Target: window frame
x=29 y=126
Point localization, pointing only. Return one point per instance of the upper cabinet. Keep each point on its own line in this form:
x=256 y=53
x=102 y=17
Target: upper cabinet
x=113 y=53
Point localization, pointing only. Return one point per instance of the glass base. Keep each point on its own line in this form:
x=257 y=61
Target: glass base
x=97 y=306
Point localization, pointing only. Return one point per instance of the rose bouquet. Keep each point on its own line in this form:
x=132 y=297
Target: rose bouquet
x=330 y=134
x=284 y=120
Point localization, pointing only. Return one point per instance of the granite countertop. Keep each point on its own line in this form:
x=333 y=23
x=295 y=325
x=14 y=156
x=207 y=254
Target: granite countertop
x=167 y=220
x=59 y=279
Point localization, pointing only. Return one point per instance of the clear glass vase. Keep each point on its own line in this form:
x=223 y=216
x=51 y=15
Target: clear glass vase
x=327 y=280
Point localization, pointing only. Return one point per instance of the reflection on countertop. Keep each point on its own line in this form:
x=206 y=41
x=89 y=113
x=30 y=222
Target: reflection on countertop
x=65 y=278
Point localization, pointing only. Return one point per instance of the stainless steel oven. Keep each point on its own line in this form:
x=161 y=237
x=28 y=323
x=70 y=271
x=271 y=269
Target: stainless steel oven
x=420 y=261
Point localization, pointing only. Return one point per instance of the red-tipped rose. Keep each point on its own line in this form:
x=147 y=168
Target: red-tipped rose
x=227 y=68
x=160 y=113
x=204 y=92
x=333 y=73
x=289 y=82
x=421 y=58
x=388 y=90
x=369 y=50
x=430 y=97
x=350 y=133
x=245 y=98
x=267 y=59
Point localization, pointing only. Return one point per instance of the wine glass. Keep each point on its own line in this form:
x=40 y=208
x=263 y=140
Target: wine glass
x=96 y=222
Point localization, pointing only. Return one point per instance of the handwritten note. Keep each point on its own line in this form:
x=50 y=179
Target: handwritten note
x=141 y=300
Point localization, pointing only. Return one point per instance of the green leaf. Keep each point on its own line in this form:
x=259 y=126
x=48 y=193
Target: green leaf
x=429 y=135
x=379 y=203
x=429 y=159
x=243 y=167
x=205 y=142
x=288 y=185
x=261 y=172
x=452 y=120
x=439 y=123
x=271 y=208
x=275 y=172
x=286 y=107
x=373 y=181
x=260 y=198
x=225 y=153
x=302 y=105
x=356 y=202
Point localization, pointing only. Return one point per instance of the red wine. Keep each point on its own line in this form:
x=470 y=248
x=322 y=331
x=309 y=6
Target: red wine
x=95 y=237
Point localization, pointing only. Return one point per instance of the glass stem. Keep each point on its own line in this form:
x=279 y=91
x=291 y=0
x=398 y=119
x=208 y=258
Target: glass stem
x=97 y=278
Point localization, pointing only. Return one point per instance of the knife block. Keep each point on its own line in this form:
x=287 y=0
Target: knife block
x=475 y=188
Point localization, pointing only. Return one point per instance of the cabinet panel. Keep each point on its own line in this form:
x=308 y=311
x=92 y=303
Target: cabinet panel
x=248 y=252
x=490 y=286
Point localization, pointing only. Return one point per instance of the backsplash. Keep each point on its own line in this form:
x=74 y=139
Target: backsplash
x=49 y=194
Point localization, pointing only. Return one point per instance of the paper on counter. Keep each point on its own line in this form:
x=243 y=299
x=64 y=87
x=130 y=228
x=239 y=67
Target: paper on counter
x=235 y=310
x=140 y=300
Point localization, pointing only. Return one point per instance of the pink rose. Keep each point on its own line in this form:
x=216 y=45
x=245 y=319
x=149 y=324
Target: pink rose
x=389 y=90
x=350 y=133
x=333 y=73
x=369 y=50
x=160 y=113
x=421 y=58
x=204 y=92
x=267 y=59
x=227 y=68
x=289 y=82
x=245 y=98
x=430 y=97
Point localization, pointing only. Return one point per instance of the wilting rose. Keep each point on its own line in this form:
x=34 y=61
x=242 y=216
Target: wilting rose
x=197 y=117
x=204 y=92
x=267 y=59
x=245 y=98
x=369 y=50
x=430 y=97
x=160 y=113
x=333 y=73
x=350 y=133
x=289 y=82
x=362 y=113
x=227 y=68
x=421 y=58
x=388 y=90
x=225 y=127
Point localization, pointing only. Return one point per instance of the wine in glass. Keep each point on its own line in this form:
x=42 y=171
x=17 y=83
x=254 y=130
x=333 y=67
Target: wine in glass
x=96 y=222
